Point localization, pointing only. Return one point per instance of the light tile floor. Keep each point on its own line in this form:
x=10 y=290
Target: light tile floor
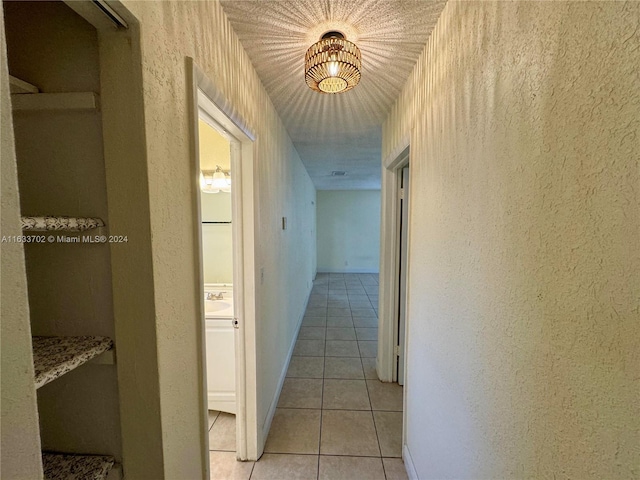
x=335 y=420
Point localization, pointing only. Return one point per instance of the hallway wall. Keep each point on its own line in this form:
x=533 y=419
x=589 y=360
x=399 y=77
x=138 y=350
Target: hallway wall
x=171 y=31
x=348 y=231
x=21 y=455
x=523 y=123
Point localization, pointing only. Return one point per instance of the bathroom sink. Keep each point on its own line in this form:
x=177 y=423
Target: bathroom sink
x=211 y=306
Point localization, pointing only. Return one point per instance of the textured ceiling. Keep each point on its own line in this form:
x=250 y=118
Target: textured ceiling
x=343 y=131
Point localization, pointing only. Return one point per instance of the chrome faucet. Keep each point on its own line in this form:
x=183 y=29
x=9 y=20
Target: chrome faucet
x=215 y=296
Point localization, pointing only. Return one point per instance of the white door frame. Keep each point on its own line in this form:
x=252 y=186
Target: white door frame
x=386 y=364
x=402 y=273
x=210 y=105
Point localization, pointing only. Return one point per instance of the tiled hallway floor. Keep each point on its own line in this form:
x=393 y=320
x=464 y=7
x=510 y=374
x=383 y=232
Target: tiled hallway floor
x=335 y=419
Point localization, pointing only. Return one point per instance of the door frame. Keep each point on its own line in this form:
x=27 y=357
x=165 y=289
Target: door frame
x=209 y=103
x=386 y=363
x=400 y=332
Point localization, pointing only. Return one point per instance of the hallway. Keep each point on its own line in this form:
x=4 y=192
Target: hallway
x=334 y=420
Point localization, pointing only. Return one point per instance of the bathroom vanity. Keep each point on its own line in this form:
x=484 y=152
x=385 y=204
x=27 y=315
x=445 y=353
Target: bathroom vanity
x=220 y=345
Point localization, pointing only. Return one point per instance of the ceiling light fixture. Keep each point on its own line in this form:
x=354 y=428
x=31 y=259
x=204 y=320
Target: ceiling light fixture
x=333 y=64
x=215 y=181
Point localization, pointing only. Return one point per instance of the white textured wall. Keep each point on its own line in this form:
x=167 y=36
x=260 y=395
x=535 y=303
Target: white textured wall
x=348 y=230
x=525 y=241
x=171 y=31
x=20 y=435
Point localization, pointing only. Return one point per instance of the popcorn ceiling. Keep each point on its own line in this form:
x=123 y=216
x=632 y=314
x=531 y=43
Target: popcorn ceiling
x=335 y=132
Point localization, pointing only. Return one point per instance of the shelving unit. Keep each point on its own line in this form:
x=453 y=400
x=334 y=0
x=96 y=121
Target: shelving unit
x=25 y=96
x=55 y=356
x=59 y=466
x=55 y=101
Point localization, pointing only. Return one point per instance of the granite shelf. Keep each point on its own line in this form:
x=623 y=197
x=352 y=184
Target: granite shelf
x=55 y=356
x=62 y=466
x=60 y=224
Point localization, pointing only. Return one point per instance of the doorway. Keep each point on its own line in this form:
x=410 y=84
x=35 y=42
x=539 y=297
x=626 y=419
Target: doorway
x=403 y=245
x=394 y=267
x=228 y=294
x=216 y=219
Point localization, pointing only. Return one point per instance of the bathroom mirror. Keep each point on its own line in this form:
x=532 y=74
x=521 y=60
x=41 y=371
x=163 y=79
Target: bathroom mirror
x=217 y=256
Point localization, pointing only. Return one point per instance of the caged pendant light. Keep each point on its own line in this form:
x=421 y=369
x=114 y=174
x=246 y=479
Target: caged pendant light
x=333 y=64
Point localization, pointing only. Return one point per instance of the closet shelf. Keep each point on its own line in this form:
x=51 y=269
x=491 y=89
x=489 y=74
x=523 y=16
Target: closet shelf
x=20 y=86
x=61 y=466
x=55 y=356
x=67 y=224
x=55 y=101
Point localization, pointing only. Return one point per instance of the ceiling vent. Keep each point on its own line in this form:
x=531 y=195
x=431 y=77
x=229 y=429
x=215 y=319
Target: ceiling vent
x=338 y=173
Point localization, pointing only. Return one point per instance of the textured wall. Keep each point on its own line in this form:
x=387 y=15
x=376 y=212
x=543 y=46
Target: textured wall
x=348 y=230
x=525 y=241
x=20 y=435
x=171 y=31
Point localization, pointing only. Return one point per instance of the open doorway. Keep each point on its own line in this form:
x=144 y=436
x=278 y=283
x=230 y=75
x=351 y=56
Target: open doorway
x=216 y=217
x=394 y=268
x=395 y=261
x=225 y=223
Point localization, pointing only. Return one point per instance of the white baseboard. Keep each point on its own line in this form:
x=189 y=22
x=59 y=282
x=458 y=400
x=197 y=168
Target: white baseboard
x=408 y=463
x=274 y=403
x=347 y=270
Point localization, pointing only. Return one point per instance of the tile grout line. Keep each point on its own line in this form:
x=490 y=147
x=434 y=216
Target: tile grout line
x=373 y=418
x=324 y=377
x=253 y=467
x=324 y=357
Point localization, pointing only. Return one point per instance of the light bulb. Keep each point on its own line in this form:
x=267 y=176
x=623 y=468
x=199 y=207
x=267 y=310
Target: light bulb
x=219 y=180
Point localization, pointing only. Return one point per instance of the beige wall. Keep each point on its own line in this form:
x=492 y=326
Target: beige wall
x=20 y=435
x=348 y=230
x=525 y=241
x=122 y=109
x=171 y=31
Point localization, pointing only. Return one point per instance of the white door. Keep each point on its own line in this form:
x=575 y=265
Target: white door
x=402 y=294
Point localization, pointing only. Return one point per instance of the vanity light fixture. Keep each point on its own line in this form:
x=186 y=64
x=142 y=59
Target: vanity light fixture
x=333 y=64
x=215 y=181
